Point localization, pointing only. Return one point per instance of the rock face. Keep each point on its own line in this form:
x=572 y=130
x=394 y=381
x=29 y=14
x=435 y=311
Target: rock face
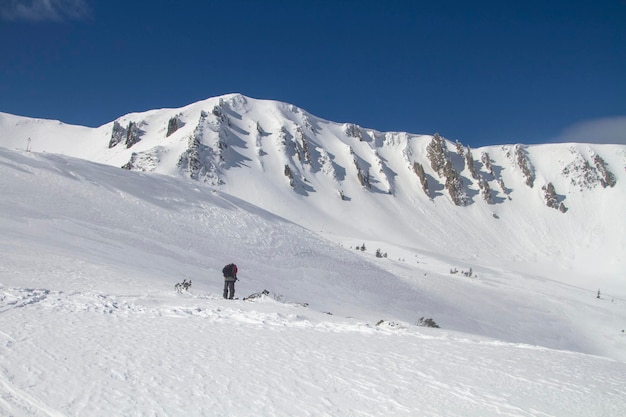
x=118 y=134
x=172 y=126
x=129 y=135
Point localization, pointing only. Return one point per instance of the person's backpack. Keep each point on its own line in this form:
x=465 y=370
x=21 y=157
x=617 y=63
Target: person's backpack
x=229 y=270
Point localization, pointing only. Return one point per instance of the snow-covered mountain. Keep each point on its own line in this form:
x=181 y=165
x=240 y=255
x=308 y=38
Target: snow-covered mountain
x=555 y=209
x=359 y=236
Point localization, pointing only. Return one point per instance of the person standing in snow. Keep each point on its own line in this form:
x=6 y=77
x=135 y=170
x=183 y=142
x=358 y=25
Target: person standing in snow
x=230 y=276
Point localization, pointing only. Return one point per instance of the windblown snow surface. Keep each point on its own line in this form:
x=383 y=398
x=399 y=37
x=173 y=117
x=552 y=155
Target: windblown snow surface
x=90 y=324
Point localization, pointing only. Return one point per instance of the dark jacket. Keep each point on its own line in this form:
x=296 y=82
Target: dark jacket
x=230 y=272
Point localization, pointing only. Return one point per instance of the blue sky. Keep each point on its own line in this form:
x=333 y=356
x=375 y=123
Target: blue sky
x=481 y=72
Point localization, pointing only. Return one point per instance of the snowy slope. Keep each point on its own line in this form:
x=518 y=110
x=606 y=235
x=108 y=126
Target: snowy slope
x=293 y=164
x=90 y=324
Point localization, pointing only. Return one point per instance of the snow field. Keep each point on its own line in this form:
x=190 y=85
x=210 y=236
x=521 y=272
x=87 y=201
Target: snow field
x=90 y=324
x=165 y=354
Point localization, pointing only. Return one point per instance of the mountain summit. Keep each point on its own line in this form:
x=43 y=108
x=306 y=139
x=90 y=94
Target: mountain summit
x=404 y=274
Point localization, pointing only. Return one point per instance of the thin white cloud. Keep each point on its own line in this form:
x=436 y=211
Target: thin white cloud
x=40 y=10
x=604 y=130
